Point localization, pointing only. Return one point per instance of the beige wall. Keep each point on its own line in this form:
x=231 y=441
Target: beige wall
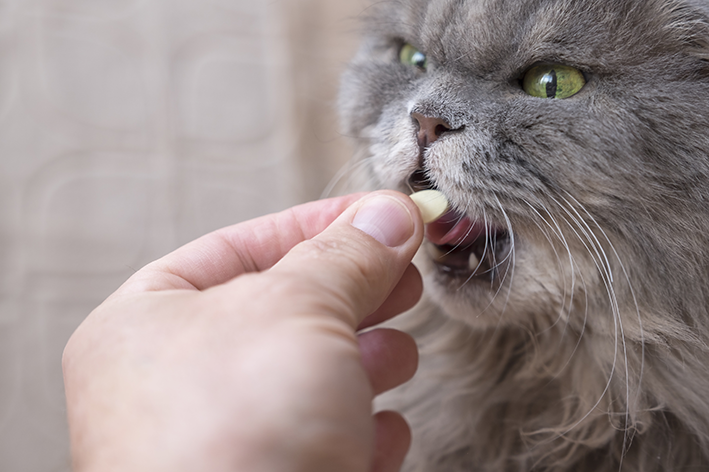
x=128 y=127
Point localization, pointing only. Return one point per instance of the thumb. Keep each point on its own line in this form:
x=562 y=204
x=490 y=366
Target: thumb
x=350 y=269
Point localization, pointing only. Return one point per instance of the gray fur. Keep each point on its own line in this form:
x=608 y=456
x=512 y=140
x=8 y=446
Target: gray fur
x=589 y=352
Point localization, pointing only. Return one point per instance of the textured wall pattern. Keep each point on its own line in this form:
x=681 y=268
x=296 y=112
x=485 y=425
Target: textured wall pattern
x=128 y=127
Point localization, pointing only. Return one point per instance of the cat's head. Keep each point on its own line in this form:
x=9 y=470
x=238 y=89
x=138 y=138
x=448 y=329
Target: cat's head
x=572 y=140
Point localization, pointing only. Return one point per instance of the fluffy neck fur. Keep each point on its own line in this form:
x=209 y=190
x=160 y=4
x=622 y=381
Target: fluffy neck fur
x=508 y=399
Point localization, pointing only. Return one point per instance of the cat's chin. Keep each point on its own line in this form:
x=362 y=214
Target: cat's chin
x=464 y=299
x=466 y=280
x=498 y=279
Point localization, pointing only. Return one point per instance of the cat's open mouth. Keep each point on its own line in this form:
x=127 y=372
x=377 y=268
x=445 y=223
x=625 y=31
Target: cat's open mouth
x=461 y=247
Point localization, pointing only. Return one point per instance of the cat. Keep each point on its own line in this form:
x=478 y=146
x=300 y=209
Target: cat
x=565 y=323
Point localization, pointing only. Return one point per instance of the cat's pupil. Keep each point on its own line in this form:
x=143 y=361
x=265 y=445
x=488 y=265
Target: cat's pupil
x=411 y=56
x=550 y=83
x=553 y=81
x=419 y=60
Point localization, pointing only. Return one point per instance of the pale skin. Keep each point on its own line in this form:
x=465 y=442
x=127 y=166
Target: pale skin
x=240 y=351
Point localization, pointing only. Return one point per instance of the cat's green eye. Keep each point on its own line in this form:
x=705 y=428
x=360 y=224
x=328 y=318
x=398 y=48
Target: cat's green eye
x=411 y=56
x=553 y=81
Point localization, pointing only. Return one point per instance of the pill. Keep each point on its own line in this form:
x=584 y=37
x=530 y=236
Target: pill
x=432 y=203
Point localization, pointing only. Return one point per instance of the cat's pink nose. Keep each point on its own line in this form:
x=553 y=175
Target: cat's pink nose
x=430 y=128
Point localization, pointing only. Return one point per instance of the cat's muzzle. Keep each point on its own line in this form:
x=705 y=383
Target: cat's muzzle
x=461 y=247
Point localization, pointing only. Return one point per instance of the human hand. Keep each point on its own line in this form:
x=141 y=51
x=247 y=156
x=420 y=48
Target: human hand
x=239 y=352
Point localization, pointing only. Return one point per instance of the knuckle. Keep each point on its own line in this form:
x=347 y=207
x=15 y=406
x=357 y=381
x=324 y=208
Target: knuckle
x=359 y=264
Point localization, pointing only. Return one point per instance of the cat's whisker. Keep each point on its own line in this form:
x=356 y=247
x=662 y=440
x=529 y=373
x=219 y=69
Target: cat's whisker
x=493 y=263
x=510 y=256
x=589 y=233
x=593 y=251
x=619 y=335
x=627 y=440
x=557 y=432
x=458 y=245
x=510 y=267
x=347 y=171
x=560 y=236
x=556 y=230
x=485 y=249
x=480 y=260
x=626 y=277
x=572 y=268
x=581 y=331
x=600 y=255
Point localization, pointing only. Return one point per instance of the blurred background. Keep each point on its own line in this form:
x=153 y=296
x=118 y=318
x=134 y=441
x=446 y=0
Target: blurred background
x=127 y=128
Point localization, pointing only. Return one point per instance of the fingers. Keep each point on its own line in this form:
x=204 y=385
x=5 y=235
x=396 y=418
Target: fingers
x=353 y=266
x=404 y=296
x=390 y=358
x=254 y=245
x=393 y=438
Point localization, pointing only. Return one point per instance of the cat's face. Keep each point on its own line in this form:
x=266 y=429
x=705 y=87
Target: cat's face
x=570 y=137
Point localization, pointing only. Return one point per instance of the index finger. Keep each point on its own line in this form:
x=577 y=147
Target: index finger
x=251 y=246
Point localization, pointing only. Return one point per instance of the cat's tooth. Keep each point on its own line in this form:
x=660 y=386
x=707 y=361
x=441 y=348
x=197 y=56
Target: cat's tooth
x=432 y=204
x=473 y=261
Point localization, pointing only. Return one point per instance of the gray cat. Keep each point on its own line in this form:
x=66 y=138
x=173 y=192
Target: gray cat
x=565 y=326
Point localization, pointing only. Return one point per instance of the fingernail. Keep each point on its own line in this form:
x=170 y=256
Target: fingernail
x=386 y=220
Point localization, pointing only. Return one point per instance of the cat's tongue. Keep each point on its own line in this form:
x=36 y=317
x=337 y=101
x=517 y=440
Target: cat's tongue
x=454 y=229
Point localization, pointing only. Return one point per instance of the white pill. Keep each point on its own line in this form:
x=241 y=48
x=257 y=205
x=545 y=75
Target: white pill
x=432 y=203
